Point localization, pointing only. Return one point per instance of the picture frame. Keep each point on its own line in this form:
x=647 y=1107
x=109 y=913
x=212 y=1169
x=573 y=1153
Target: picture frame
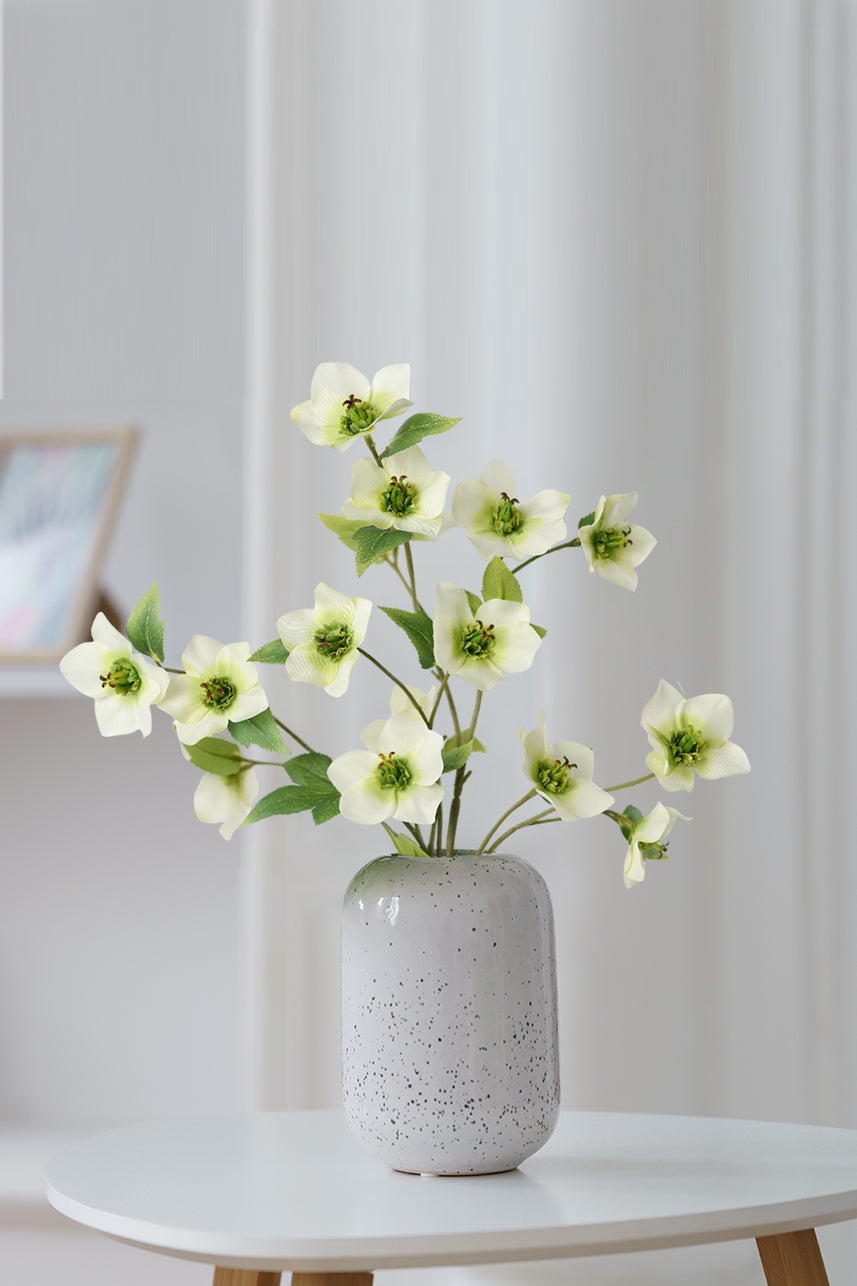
x=60 y=494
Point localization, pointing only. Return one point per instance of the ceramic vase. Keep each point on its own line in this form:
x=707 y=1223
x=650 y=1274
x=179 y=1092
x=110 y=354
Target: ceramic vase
x=449 y=1013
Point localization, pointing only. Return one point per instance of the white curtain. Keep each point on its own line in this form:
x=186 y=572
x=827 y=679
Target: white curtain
x=618 y=240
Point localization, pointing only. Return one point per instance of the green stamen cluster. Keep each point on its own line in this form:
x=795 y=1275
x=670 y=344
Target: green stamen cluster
x=686 y=746
x=219 y=692
x=392 y=773
x=654 y=852
x=552 y=775
x=507 y=517
x=399 y=497
x=122 y=676
x=608 y=539
x=333 y=641
x=357 y=417
x=478 y=639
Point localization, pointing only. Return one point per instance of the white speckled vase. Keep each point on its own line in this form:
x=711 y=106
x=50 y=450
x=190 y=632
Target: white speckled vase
x=449 y=1015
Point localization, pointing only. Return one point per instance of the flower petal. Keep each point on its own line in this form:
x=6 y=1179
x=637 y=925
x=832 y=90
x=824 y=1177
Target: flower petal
x=727 y=760
x=662 y=711
x=712 y=713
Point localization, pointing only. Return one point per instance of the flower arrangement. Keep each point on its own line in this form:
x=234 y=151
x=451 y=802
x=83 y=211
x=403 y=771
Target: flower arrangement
x=409 y=772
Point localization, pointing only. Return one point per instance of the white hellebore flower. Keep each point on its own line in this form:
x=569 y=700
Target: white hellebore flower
x=220 y=685
x=561 y=772
x=649 y=833
x=402 y=493
x=484 y=645
x=690 y=735
x=226 y=799
x=343 y=405
x=614 y=546
x=496 y=522
x=395 y=776
x=123 y=683
x=323 y=640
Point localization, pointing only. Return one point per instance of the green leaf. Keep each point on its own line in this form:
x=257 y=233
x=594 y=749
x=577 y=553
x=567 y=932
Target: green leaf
x=215 y=755
x=261 y=730
x=371 y=545
x=417 y=427
x=343 y=528
x=145 y=629
x=405 y=845
x=273 y=653
x=587 y=521
x=454 y=755
x=313 y=791
x=633 y=814
x=283 y=800
x=474 y=600
x=498 y=582
x=326 y=809
x=419 y=629
x=540 y=630
x=310 y=769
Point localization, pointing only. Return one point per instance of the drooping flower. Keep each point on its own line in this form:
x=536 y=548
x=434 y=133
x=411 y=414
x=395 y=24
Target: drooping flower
x=647 y=841
x=561 y=772
x=397 y=775
x=402 y=492
x=343 y=405
x=690 y=735
x=484 y=645
x=220 y=685
x=323 y=640
x=612 y=545
x=497 y=523
x=123 y=683
x=226 y=799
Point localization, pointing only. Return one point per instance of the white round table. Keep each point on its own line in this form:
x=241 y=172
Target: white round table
x=263 y=1193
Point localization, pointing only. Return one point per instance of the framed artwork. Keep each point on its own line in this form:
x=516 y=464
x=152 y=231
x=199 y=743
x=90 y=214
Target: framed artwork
x=59 y=498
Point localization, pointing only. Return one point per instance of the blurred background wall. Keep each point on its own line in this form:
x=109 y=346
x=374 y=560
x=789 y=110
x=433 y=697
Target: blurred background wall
x=617 y=239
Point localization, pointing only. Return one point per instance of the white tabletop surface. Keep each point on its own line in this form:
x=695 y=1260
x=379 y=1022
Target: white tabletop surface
x=293 y=1191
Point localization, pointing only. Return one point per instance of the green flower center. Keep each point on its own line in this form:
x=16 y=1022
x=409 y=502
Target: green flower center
x=478 y=639
x=607 y=540
x=218 y=693
x=333 y=641
x=392 y=773
x=507 y=517
x=654 y=852
x=122 y=676
x=686 y=746
x=357 y=417
x=552 y=775
x=399 y=497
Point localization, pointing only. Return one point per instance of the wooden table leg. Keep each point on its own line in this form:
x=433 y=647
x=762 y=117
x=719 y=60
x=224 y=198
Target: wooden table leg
x=792 y=1259
x=244 y=1277
x=331 y=1279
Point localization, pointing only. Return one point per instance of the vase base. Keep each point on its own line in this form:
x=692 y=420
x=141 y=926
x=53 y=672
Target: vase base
x=453 y=1174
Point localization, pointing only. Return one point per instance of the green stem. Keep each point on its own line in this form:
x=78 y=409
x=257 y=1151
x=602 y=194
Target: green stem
x=294 y=736
x=569 y=544
x=439 y=697
x=399 y=684
x=371 y=445
x=436 y=832
x=539 y=819
x=409 y=559
x=460 y=778
x=531 y=794
x=417 y=834
x=623 y=785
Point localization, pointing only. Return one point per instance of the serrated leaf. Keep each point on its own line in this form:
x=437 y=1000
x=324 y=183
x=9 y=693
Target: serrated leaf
x=145 y=629
x=326 y=809
x=310 y=769
x=283 y=800
x=215 y=755
x=499 y=582
x=273 y=653
x=371 y=545
x=474 y=600
x=540 y=630
x=454 y=756
x=419 y=629
x=343 y=528
x=417 y=427
x=405 y=845
x=587 y=521
x=261 y=730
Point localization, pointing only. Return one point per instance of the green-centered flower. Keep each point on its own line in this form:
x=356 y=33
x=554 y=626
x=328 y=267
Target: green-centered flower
x=614 y=546
x=397 y=775
x=402 y=492
x=496 y=522
x=690 y=735
x=343 y=405
x=561 y=772
x=323 y=640
x=227 y=800
x=647 y=841
x=123 y=684
x=220 y=685
x=484 y=645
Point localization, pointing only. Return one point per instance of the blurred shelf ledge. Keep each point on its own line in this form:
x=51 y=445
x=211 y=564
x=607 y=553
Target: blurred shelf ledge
x=34 y=681
x=24 y=1152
